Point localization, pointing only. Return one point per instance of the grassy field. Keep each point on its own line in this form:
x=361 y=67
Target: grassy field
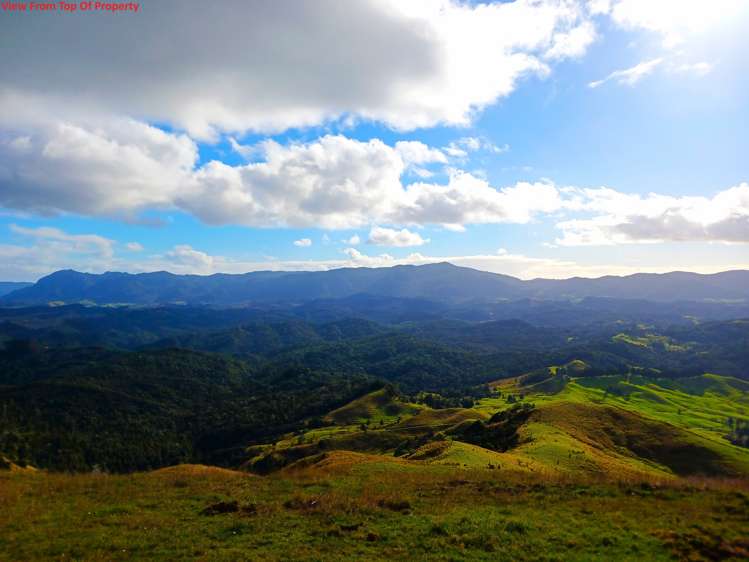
x=612 y=426
x=602 y=468
x=351 y=506
x=591 y=423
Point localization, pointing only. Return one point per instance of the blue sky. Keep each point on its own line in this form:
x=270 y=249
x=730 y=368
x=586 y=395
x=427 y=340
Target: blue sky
x=539 y=138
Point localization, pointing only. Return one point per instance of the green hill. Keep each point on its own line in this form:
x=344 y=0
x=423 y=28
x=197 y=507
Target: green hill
x=381 y=405
x=611 y=426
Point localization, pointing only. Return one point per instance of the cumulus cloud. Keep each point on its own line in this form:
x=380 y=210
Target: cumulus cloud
x=134 y=247
x=466 y=199
x=629 y=76
x=358 y=259
x=303 y=243
x=119 y=168
x=94 y=165
x=625 y=218
x=380 y=236
x=185 y=256
x=105 y=167
x=46 y=249
x=353 y=241
x=260 y=66
x=334 y=182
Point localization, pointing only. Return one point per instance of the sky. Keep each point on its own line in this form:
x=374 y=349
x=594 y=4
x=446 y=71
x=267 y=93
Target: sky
x=535 y=138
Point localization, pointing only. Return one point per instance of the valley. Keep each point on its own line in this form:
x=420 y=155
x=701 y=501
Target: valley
x=373 y=426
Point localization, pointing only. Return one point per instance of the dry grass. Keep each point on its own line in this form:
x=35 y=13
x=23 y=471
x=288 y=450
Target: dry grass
x=357 y=506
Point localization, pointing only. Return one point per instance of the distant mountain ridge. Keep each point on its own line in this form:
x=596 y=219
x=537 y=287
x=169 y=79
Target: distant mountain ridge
x=10 y=286
x=435 y=282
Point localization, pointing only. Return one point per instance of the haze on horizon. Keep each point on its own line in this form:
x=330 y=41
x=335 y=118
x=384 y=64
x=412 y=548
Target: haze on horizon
x=534 y=138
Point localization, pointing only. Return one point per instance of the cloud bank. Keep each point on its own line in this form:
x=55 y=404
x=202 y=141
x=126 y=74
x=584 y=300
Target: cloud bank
x=46 y=250
x=406 y=64
x=120 y=168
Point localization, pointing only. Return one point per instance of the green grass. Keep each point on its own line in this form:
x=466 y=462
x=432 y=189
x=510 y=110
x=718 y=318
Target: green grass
x=357 y=507
x=379 y=406
x=649 y=340
x=699 y=404
x=598 y=474
x=617 y=426
x=689 y=414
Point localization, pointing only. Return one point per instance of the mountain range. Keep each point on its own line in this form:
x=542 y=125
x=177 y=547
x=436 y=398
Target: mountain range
x=10 y=286
x=438 y=282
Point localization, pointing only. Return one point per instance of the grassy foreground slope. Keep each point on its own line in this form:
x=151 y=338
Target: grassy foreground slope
x=604 y=468
x=349 y=506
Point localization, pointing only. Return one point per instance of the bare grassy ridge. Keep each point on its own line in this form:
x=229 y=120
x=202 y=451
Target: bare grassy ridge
x=354 y=506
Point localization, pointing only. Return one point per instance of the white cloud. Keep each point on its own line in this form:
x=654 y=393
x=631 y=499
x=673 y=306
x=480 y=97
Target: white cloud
x=471 y=143
x=629 y=76
x=696 y=68
x=245 y=151
x=633 y=75
x=185 y=257
x=466 y=199
x=358 y=259
x=48 y=249
x=333 y=183
x=119 y=168
x=598 y=7
x=337 y=182
x=94 y=165
x=353 y=241
x=303 y=243
x=423 y=173
x=677 y=20
x=518 y=265
x=499 y=149
x=415 y=152
x=78 y=243
x=380 y=236
x=260 y=66
x=572 y=43
x=134 y=247
x=624 y=218
x=461 y=147
x=455 y=151
x=104 y=167
x=52 y=249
